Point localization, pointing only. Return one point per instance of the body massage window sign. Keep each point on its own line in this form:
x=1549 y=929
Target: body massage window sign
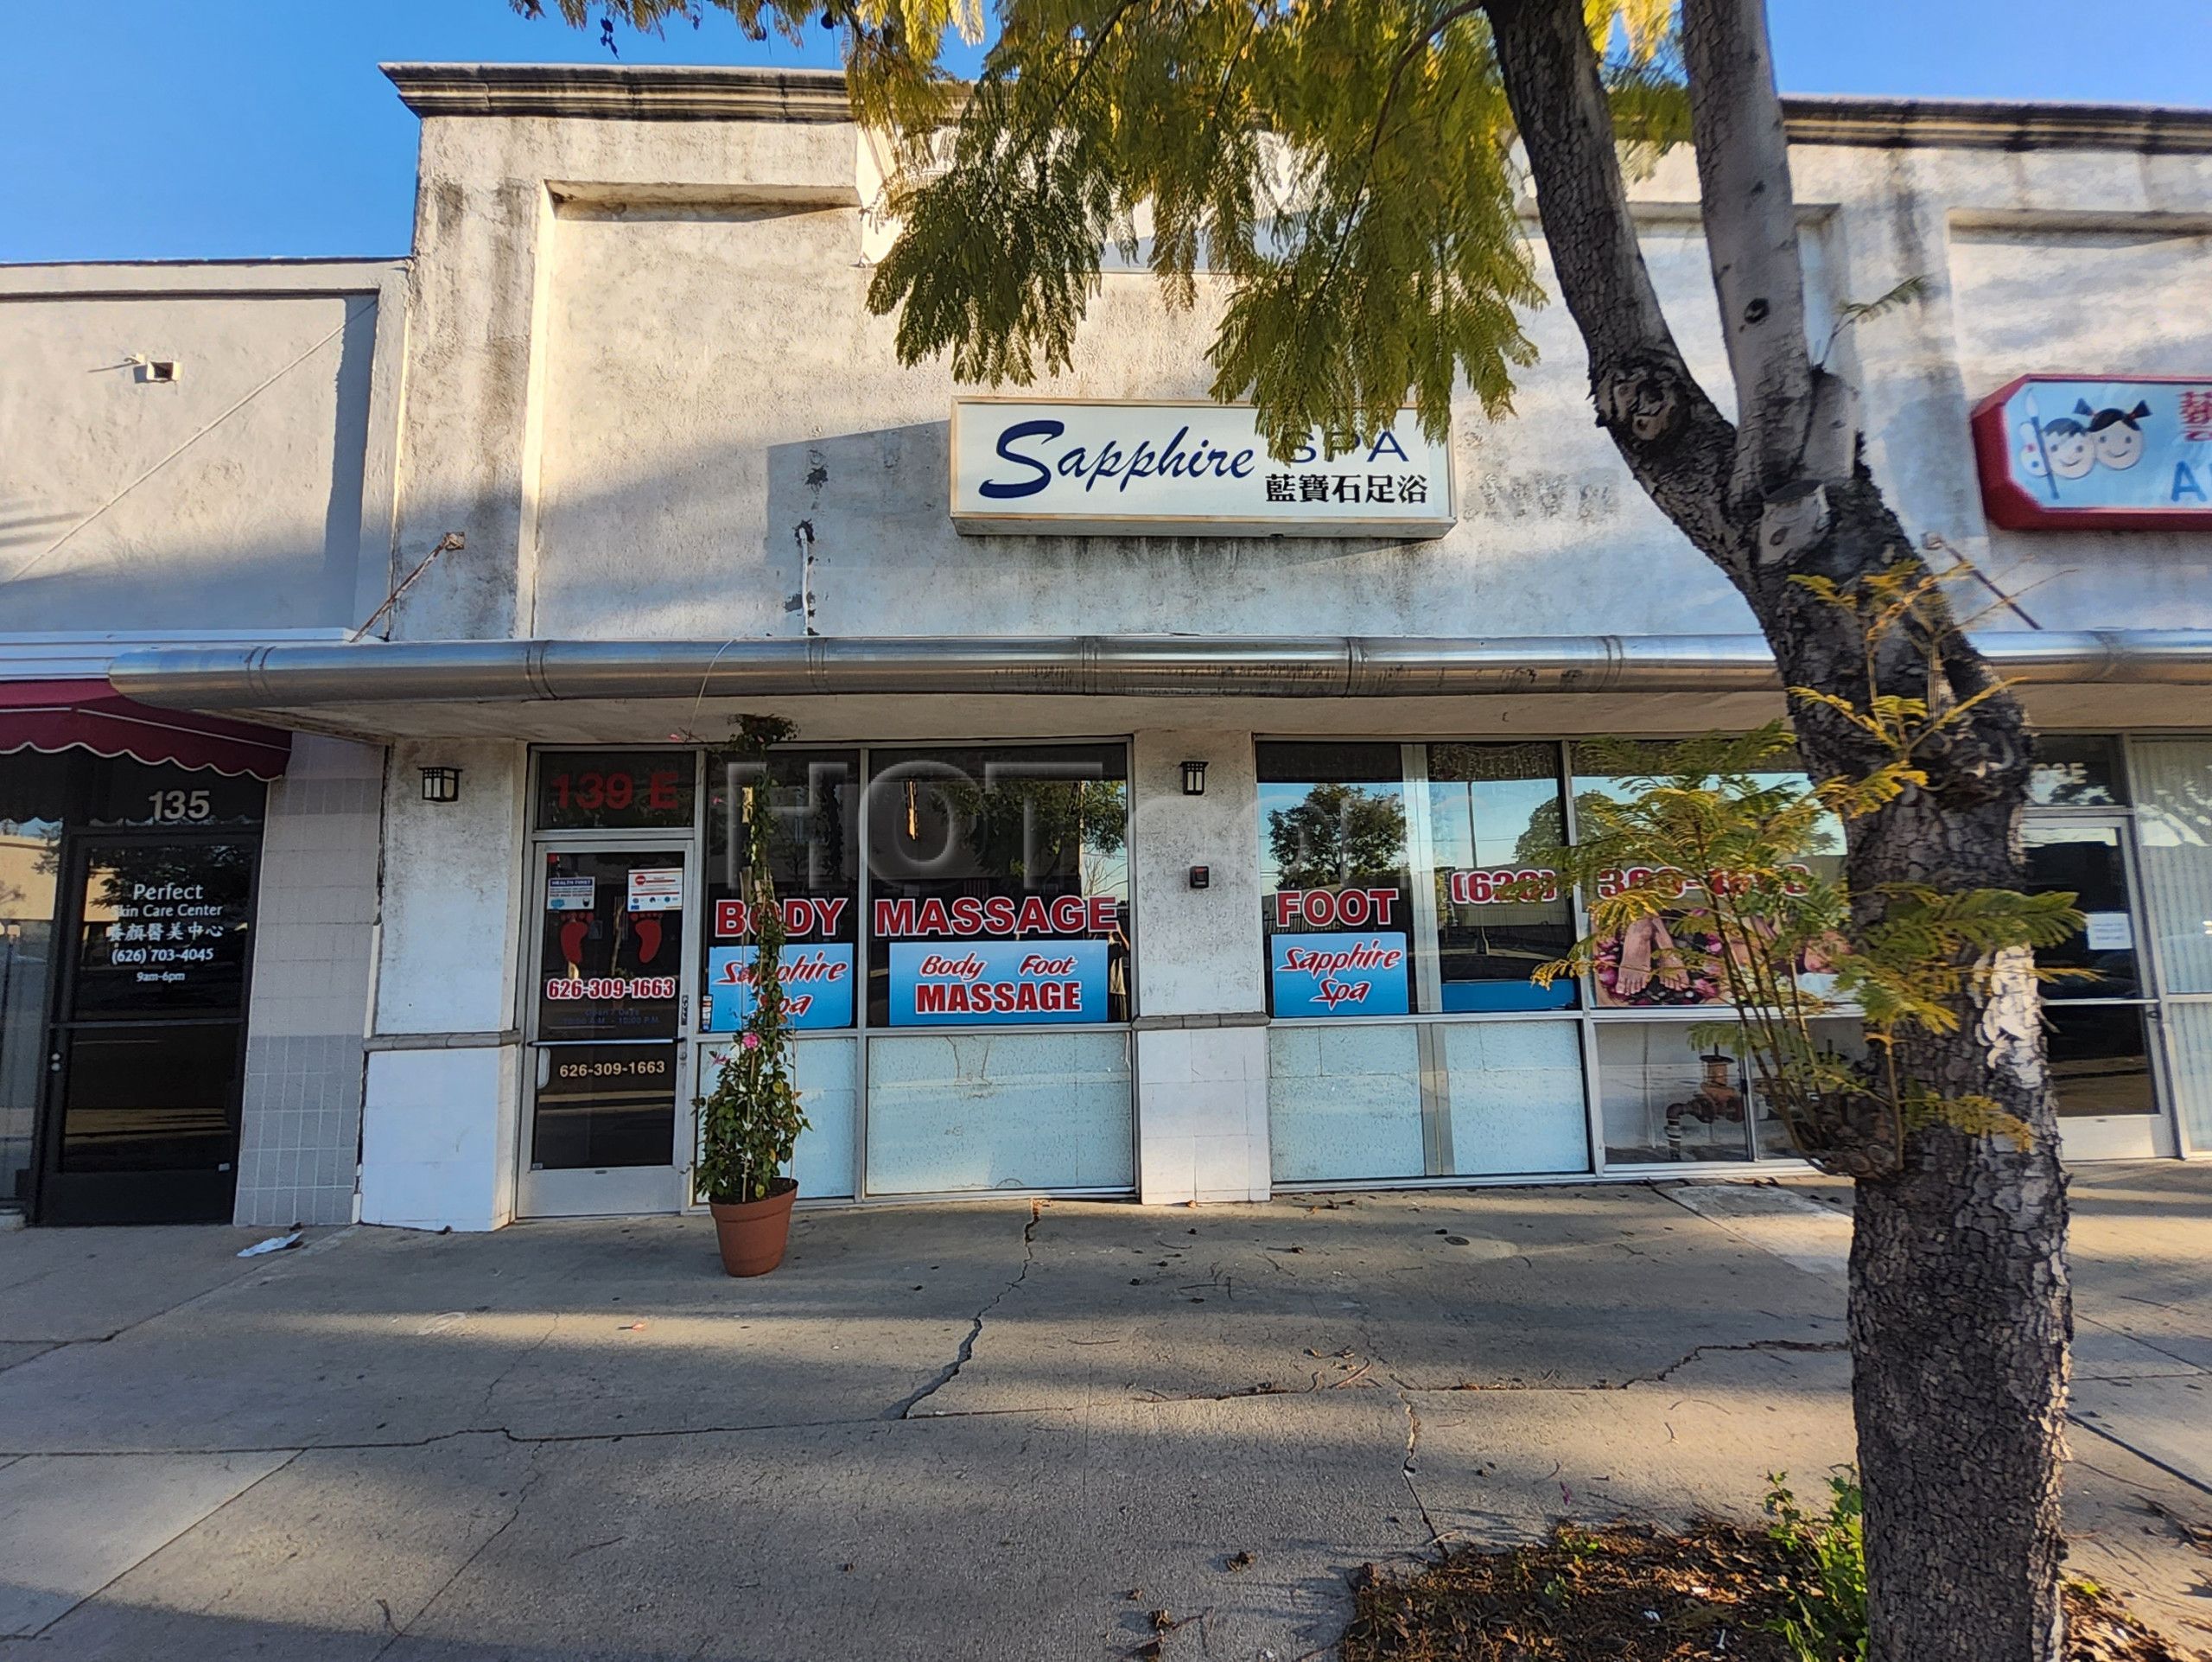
x=1400 y=879
x=997 y=892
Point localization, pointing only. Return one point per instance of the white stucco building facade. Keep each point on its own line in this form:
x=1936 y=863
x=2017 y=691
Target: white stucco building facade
x=627 y=379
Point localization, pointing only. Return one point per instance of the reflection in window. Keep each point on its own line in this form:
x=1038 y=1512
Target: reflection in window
x=1679 y=959
x=1662 y=1099
x=813 y=849
x=33 y=788
x=2175 y=833
x=999 y=886
x=1494 y=810
x=1336 y=894
x=2099 y=1062
x=2086 y=862
x=2075 y=770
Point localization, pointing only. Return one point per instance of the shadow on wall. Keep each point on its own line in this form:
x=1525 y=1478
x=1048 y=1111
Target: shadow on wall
x=110 y=561
x=860 y=541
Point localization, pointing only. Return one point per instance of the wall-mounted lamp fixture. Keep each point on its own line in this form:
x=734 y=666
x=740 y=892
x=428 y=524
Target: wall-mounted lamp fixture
x=1194 y=778
x=442 y=785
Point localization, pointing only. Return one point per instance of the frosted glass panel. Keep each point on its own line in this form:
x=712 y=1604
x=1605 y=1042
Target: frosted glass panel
x=828 y=1074
x=2174 y=827
x=825 y=1071
x=2189 y=1026
x=1516 y=1097
x=986 y=1111
x=1343 y=1103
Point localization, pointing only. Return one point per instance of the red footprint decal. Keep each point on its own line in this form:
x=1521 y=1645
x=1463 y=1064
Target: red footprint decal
x=572 y=940
x=648 y=938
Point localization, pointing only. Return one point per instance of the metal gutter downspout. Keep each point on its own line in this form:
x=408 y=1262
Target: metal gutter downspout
x=1268 y=666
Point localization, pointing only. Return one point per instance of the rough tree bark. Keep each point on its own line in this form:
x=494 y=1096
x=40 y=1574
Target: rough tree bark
x=1960 y=1313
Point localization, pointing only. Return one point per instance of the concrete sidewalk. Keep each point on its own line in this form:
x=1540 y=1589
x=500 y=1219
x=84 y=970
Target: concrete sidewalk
x=990 y=1429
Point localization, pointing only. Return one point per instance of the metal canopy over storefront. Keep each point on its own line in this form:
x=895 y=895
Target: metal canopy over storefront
x=55 y=715
x=573 y=689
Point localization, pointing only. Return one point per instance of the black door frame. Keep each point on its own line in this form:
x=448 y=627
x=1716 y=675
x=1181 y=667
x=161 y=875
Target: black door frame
x=152 y=1197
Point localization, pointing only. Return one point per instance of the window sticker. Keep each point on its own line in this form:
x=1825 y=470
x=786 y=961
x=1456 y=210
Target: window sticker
x=818 y=979
x=1319 y=974
x=969 y=982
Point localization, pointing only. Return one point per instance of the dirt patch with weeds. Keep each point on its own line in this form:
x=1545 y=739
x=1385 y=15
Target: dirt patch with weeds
x=1629 y=1593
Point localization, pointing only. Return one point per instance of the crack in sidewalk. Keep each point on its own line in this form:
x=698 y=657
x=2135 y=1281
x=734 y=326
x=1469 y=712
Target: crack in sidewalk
x=1805 y=1347
x=399 y=1629
x=1406 y=1467
x=526 y=1440
x=905 y=1410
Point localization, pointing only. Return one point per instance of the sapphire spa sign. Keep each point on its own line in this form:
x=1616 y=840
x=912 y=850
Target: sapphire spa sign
x=1079 y=468
x=2056 y=452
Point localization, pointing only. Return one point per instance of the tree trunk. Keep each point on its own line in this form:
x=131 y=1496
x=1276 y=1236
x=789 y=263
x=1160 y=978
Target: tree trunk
x=1959 y=1314
x=1960 y=1309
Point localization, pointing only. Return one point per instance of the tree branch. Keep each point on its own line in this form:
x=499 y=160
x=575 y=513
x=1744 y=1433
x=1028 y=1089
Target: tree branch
x=1781 y=466
x=1676 y=442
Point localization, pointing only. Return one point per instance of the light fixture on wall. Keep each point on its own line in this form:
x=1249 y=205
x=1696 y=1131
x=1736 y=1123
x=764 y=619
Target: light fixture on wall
x=442 y=785
x=1194 y=778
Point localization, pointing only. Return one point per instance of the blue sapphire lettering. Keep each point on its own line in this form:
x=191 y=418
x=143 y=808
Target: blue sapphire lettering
x=1021 y=430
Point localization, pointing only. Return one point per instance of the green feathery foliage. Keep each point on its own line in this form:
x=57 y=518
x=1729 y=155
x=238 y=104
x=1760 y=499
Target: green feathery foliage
x=1717 y=835
x=1343 y=172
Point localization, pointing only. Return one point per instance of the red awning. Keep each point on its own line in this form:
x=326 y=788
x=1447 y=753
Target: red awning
x=91 y=715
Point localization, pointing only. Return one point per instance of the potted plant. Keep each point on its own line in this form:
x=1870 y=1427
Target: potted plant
x=750 y=1121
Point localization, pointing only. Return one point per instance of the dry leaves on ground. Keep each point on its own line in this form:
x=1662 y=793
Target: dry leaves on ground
x=1629 y=1593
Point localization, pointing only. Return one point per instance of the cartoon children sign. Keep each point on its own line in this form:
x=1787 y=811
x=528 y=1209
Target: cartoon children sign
x=2121 y=455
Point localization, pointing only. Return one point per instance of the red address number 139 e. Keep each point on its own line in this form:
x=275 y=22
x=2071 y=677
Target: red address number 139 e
x=590 y=792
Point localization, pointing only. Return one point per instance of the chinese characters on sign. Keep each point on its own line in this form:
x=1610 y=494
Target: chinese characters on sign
x=2123 y=454
x=1347 y=488
x=165 y=927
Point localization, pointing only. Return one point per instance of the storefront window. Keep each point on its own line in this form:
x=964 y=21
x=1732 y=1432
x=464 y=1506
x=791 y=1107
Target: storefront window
x=1402 y=879
x=1661 y=1098
x=1493 y=810
x=2075 y=770
x=1336 y=890
x=33 y=788
x=999 y=886
x=1679 y=959
x=616 y=790
x=2099 y=1062
x=2087 y=862
x=611 y=946
x=814 y=843
x=1664 y=1100
x=2174 y=829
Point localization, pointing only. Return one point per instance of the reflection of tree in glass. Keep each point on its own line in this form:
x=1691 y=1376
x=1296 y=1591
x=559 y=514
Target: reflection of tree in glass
x=806 y=841
x=2075 y=791
x=1340 y=834
x=1546 y=832
x=2177 y=803
x=223 y=870
x=1026 y=830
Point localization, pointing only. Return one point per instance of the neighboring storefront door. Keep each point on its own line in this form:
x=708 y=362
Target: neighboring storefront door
x=147 y=1041
x=610 y=1001
x=2098 y=1028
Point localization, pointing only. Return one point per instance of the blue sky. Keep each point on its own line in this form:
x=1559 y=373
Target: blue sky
x=229 y=129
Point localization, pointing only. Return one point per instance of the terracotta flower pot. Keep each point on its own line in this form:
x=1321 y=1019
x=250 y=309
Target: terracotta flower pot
x=752 y=1233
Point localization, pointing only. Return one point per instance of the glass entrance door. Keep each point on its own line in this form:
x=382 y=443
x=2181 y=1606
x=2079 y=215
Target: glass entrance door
x=610 y=1004
x=2098 y=1030
x=146 y=1050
